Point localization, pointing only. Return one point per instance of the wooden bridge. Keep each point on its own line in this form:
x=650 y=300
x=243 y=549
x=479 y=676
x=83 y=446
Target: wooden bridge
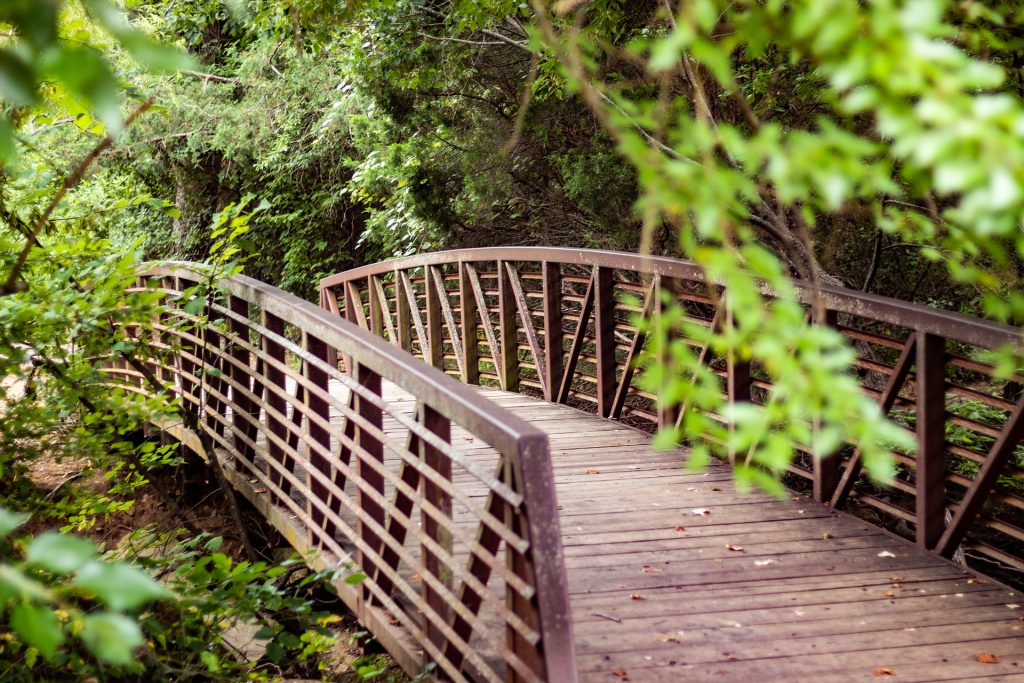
x=463 y=434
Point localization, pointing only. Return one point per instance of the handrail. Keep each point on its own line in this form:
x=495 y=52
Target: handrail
x=551 y=321
x=266 y=386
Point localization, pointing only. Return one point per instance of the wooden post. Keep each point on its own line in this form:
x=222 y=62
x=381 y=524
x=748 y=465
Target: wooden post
x=931 y=439
x=604 y=327
x=243 y=408
x=433 y=494
x=666 y=295
x=369 y=446
x=551 y=275
x=737 y=378
x=470 y=327
x=826 y=465
x=376 y=307
x=509 y=365
x=402 y=314
x=274 y=395
x=435 y=336
x=317 y=404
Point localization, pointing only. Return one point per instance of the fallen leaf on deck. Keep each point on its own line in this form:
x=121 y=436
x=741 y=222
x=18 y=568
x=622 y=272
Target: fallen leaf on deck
x=648 y=569
x=666 y=638
x=764 y=563
x=890 y=594
x=593 y=471
x=701 y=512
x=885 y=553
x=1013 y=605
x=637 y=596
x=973 y=581
x=882 y=671
x=680 y=529
x=987 y=658
x=734 y=548
x=259 y=490
x=621 y=673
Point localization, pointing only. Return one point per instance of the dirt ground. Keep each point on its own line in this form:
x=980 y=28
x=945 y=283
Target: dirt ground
x=206 y=508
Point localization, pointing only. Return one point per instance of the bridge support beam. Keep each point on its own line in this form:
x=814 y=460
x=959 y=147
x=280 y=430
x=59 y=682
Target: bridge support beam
x=931 y=439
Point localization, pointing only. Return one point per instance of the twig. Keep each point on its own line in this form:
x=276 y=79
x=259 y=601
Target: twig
x=12 y=284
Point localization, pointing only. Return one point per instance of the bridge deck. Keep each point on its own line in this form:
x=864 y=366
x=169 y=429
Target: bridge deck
x=675 y=576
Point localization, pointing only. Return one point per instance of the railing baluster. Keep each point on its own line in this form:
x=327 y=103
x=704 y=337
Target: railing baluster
x=369 y=447
x=376 y=306
x=470 y=327
x=826 y=465
x=508 y=366
x=274 y=395
x=737 y=380
x=604 y=329
x=551 y=274
x=402 y=314
x=318 y=405
x=434 y=495
x=931 y=439
x=435 y=338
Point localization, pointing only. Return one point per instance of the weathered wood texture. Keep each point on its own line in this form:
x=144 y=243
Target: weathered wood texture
x=561 y=323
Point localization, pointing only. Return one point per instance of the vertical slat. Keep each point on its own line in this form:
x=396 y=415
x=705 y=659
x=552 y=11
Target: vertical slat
x=470 y=327
x=433 y=494
x=508 y=366
x=242 y=405
x=551 y=275
x=369 y=447
x=435 y=338
x=666 y=295
x=403 y=504
x=274 y=395
x=737 y=379
x=317 y=405
x=404 y=330
x=376 y=306
x=826 y=465
x=604 y=328
x=931 y=439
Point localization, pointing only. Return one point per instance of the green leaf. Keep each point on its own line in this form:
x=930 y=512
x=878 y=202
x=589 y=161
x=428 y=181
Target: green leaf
x=119 y=586
x=357 y=578
x=213 y=545
x=14 y=584
x=111 y=637
x=39 y=627
x=59 y=553
x=17 y=80
x=9 y=521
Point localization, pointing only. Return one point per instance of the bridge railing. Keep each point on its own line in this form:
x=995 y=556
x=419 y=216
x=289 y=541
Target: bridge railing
x=553 y=321
x=442 y=502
